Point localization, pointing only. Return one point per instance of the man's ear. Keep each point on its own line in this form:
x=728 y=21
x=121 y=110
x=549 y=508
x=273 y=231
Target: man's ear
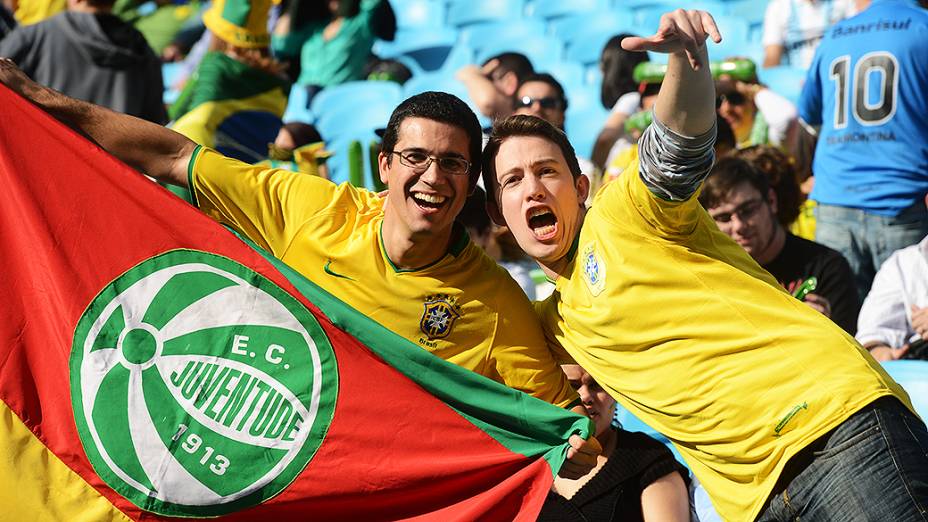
x=772 y=200
x=383 y=167
x=583 y=188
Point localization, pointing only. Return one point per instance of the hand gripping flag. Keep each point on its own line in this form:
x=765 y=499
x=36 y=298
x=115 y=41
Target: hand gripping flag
x=153 y=365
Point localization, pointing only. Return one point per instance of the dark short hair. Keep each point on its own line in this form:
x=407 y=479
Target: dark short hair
x=550 y=80
x=727 y=174
x=780 y=170
x=517 y=63
x=443 y=108
x=302 y=133
x=523 y=125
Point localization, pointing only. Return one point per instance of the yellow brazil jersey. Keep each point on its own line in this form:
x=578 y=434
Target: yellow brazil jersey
x=680 y=325
x=463 y=308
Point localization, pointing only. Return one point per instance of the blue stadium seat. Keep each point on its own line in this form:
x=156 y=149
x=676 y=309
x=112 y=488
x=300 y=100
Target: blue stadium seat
x=170 y=73
x=551 y=9
x=352 y=118
x=419 y=13
x=482 y=34
x=428 y=48
x=784 y=80
x=339 y=164
x=539 y=49
x=613 y=21
x=649 y=17
x=354 y=94
x=466 y=12
x=443 y=83
x=585 y=118
x=570 y=74
x=296 y=106
x=913 y=377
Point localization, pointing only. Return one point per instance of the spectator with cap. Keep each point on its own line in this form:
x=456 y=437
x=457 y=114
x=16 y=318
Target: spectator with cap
x=756 y=114
x=237 y=95
x=492 y=86
x=90 y=54
x=738 y=197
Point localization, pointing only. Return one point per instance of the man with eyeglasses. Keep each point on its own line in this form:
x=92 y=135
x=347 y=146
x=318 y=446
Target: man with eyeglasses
x=740 y=200
x=401 y=260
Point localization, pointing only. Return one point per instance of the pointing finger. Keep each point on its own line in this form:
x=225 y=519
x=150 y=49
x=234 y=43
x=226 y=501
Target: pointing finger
x=708 y=24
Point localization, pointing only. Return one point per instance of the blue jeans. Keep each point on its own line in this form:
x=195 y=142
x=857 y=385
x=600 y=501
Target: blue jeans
x=867 y=240
x=872 y=467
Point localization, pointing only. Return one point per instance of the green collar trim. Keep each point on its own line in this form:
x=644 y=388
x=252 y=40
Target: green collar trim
x=190 y=187
x=458 y=244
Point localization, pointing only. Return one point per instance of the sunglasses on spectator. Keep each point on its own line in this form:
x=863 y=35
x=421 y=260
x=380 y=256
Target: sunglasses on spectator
x=419 y=162
x=733 y=98
x=548 y=102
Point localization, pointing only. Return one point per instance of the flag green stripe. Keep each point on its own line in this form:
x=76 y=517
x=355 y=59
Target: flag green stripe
x=478 y=399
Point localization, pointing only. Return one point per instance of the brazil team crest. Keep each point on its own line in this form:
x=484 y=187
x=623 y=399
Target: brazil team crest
x=198 y=386
x=441 y=311
x=594 y=270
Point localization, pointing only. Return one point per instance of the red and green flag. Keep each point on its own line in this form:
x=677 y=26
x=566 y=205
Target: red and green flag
x=154 y=365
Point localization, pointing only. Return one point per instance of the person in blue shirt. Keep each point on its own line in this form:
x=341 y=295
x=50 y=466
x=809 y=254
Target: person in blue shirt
x=866 y=97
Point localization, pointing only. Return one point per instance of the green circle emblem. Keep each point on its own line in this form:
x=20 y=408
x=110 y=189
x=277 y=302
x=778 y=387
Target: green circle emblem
x=199 y=387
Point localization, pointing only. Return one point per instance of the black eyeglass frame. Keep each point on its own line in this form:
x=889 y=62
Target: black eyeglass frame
x=404 y=159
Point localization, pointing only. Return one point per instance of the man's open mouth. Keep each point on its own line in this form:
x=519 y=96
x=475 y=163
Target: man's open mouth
x=542 y=221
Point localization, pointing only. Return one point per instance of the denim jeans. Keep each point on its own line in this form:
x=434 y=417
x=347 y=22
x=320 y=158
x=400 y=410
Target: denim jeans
x=867 y=240
x=872 y=467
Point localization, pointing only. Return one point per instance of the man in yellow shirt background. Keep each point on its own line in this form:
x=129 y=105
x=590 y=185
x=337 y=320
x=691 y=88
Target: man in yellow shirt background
x=777 y=411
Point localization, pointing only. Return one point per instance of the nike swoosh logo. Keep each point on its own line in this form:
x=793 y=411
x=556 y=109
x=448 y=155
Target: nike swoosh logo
x=334 y=274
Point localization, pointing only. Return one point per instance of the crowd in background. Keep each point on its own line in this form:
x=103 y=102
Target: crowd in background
x=846 y=234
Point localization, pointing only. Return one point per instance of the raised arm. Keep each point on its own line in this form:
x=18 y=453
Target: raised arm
x=675 y=152
x=686 y=103
x=150 y=148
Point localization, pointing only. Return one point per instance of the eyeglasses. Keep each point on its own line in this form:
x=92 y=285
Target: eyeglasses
x=744 y=211
x=419 y=162
x=733 y=98
x=548 y=102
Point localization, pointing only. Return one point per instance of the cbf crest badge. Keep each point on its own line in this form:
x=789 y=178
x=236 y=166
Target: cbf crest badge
x=594 y=270
x=441 y=311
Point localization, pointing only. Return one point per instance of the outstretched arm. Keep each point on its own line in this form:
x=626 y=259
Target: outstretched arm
x=675 y=152
x=150 y=148
x=686 y=103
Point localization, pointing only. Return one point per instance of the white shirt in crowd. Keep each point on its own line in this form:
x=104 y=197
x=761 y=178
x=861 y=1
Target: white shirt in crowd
x=798 y=26
x=902 y=281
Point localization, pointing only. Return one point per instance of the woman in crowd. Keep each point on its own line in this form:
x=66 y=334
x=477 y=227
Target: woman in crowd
x=635 y=478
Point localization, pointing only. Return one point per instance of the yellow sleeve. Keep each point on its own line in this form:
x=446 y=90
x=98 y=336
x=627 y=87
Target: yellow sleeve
x=522 y=358
x=628 y=201
x=269 y=206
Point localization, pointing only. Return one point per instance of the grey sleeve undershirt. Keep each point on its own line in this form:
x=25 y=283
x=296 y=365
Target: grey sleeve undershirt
x=672 y=166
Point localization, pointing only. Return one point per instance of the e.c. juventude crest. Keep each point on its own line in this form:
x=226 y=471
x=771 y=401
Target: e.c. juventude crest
x=439 y=315
x=594 y=270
